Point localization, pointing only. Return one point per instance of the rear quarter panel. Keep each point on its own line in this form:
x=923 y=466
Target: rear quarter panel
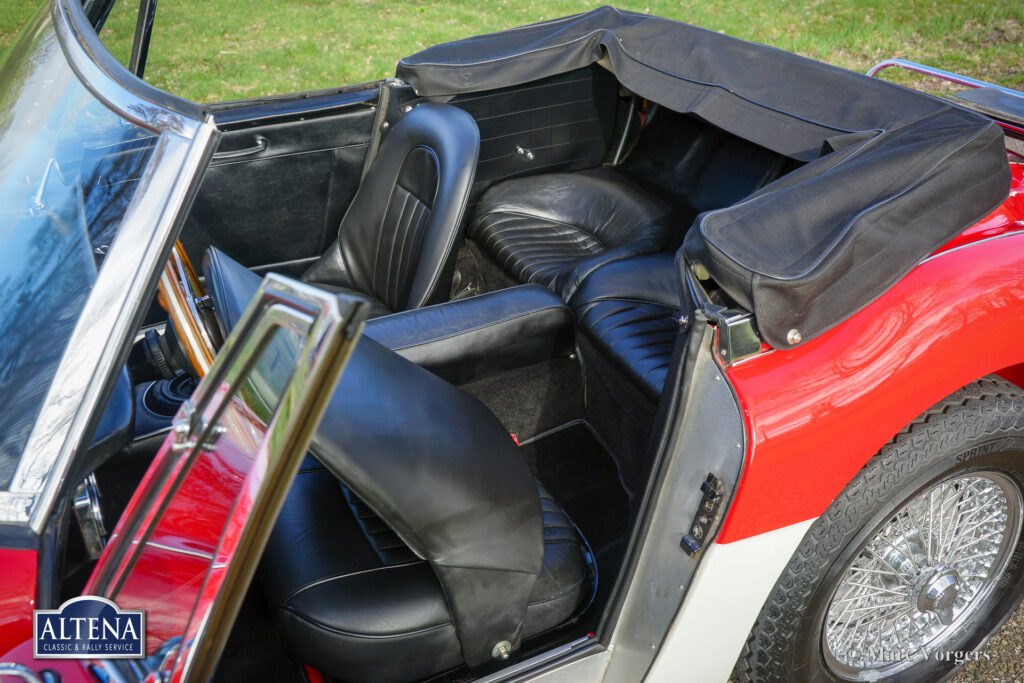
x=817 y=413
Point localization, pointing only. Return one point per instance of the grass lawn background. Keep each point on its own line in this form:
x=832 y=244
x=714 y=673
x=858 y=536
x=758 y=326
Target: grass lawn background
x=210 y=50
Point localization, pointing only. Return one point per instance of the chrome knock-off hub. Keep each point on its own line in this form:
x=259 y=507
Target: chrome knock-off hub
x=938 y=593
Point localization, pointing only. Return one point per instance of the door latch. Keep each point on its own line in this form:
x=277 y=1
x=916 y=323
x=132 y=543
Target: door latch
x=712 y=493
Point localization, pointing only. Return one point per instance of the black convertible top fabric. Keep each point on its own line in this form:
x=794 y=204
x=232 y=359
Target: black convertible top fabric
x=892 y=174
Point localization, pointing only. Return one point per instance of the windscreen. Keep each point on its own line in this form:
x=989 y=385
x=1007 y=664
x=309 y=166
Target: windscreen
x=69 y=169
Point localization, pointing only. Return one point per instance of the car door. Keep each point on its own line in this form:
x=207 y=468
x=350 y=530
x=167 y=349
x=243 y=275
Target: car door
x=186 y=547
x=188 y=544
x=286 y=168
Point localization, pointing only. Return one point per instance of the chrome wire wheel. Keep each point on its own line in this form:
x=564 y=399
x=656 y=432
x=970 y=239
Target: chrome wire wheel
x=922 y=575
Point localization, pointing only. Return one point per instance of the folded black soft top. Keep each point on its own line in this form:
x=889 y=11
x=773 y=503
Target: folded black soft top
x=892 y=174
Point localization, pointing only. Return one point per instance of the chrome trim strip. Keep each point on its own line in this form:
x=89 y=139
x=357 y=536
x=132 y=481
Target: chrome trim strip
x=180 y=551
x=89 y=515
x=969 y=244
x=130 y=268
x=155 y=432
x=260 y=146
x=511 y=672
x=19 y=670
x=941 y=74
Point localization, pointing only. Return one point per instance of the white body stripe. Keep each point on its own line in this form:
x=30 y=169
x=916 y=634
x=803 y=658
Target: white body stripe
x=725 y=597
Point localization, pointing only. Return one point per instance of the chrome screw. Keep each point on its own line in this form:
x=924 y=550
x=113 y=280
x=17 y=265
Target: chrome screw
x=502 y=650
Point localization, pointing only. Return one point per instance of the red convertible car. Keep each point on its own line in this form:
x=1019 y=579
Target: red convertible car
x=602 y=349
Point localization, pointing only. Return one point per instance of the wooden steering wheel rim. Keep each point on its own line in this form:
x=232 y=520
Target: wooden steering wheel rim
x=180 y=294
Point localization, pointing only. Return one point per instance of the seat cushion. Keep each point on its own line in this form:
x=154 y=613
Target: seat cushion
x=630 y=310
x=351 y=599
x=540 y=227
x=377 y=307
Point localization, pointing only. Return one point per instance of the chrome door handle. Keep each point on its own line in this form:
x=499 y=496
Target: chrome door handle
x=261 y=145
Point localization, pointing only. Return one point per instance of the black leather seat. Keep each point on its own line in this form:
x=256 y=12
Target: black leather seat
x=397 y=241
x=630 y=310
x=422 y=542
x=555 y=229
x=417 y=540
x=354 y=601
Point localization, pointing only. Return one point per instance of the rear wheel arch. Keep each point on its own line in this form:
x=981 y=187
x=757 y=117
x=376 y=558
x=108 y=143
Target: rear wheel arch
x=972 y=426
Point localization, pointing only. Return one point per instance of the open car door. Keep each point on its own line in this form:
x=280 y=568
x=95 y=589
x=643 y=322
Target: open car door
x=188 y=544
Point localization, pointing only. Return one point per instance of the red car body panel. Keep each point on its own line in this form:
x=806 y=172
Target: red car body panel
x=17 y=596
x=1009 y=217
x=171 y=579
x=167 y=578
x=180 y=570
x=816 y=414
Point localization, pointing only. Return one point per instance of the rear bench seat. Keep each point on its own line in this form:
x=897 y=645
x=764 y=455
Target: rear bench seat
x=542 y=228
x=631 y=310
x=605 y=243
x=556 y=229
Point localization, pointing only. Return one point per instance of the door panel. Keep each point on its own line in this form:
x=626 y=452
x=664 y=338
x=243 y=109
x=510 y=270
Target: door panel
x=188 y=543
x=282 y=178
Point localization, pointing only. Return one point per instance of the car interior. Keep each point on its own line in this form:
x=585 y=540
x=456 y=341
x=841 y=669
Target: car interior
x=472 y=490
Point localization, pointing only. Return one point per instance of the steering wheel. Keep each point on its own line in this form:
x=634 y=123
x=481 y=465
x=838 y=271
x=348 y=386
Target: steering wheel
x=181 y=295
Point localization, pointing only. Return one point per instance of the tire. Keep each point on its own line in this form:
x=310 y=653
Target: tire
x=970 y=449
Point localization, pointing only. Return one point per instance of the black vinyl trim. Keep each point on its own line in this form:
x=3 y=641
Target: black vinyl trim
x=250 y=114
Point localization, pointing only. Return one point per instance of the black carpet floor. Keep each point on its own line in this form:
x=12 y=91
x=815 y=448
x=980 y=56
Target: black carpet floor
x=253 y=652
x=582 y=476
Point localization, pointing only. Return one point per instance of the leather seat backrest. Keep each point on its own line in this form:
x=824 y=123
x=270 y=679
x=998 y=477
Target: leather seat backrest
x=397 y=237
x=440 y=469
x=699 y=165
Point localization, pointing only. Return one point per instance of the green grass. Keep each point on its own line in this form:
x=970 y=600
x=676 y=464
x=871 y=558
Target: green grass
x=14 y=14
x=209 y=50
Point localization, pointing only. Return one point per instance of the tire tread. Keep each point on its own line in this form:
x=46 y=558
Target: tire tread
x=763 y=657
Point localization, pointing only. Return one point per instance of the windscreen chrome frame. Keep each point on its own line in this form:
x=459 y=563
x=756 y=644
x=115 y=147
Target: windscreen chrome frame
x=101 y=338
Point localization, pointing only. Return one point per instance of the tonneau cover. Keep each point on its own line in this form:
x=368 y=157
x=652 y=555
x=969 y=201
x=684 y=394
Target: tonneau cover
x=892 y=174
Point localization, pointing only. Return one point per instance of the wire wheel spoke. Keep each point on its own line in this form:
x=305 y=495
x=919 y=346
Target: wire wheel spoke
x=947 y=546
